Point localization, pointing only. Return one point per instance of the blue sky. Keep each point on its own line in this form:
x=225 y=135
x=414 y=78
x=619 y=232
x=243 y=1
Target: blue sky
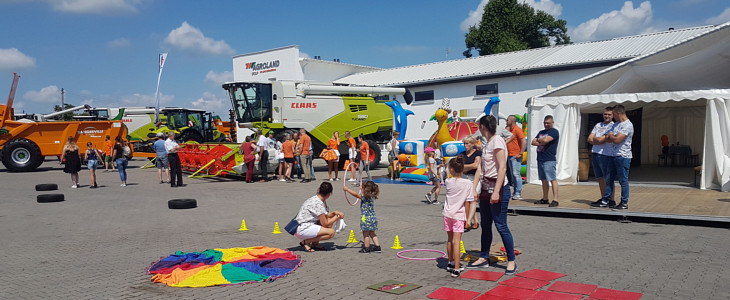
x=104 y=52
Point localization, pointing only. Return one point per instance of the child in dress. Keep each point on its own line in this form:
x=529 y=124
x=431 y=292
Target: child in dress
x=458 y=191
x=368 y=220
x=433 y=175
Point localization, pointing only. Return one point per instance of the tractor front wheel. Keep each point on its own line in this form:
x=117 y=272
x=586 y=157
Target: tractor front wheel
x=21 y=155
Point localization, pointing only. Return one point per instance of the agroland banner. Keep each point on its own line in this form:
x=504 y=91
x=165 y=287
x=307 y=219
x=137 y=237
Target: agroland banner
x=269 y=65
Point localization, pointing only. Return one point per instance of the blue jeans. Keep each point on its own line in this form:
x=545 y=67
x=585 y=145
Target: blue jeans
x=311 y=166
x=513 y=173
x=298 y=167
x=619 y=169
x=122 y=167
x=496 y=213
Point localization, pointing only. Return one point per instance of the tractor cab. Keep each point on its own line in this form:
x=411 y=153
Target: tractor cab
x=252 y=102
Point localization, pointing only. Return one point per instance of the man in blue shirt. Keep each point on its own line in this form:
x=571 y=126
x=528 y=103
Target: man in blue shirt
x=161 y=159
x=547 y=148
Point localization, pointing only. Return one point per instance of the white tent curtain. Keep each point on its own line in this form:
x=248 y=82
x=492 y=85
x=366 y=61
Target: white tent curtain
x=716 y=161
x=566 y=119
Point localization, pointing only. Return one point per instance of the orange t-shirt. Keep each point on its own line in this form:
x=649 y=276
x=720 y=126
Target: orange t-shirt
x=333 y=144
x=288 y=148
x=306 y=141
x=351 y=143
x=364 y=151
x=513 y=148
x=109 y=147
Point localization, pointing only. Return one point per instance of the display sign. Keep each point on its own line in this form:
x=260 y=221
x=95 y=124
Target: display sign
x=269 y=65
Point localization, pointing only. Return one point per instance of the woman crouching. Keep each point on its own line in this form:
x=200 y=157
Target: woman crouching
x=315 y=220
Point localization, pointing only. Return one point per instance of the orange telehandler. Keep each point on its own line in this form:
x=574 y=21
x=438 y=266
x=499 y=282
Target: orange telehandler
x=24 y=144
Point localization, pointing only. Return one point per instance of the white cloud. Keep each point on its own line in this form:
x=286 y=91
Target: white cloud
x=219 y=78
x=189 y=38
x=720 y=19
x=475 y=16
x=49 y=94
x=14 y=59
x=211 y=102
x=627 y=21
x=119 y=43
x=103 y=7
x=137 y=99
x=304 y=55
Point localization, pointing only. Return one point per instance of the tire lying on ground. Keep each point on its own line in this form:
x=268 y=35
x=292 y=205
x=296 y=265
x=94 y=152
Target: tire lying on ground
x=48 y=198
x=182 y=203
x=46 y=187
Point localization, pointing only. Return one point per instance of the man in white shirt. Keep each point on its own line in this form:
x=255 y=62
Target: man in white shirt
x=602 y=156
x=621 y=136
x=263 y=148
x=175 y=169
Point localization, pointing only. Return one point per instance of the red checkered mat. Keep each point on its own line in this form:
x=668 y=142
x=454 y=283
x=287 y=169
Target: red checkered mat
x=540 y=274
x=482 y=275
x=545 y=295
x=525 y=283
x=608 y=294
x=445 y=293
x=507 y=292
x=572 y=287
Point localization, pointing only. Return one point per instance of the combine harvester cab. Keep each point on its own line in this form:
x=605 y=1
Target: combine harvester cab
x=24 y=144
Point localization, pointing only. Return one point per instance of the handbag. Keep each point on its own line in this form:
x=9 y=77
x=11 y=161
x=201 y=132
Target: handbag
x=291 y=228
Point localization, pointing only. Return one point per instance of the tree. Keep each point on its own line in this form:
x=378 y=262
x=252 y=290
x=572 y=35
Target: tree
x=67 y=116
x=510 y=26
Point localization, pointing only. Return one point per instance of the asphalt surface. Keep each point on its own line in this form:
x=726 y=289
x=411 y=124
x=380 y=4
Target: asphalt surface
x=97 y=243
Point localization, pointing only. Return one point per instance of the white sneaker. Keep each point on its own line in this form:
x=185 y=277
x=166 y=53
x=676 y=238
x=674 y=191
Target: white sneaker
x=517 y=197
x=74 y=186
x=123 y=184
x=351 y=180
x=282 y=179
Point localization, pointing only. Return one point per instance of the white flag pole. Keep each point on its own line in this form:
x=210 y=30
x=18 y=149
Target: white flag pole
x=163 y=57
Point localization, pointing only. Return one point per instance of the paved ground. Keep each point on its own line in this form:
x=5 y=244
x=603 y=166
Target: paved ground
x=97 y=244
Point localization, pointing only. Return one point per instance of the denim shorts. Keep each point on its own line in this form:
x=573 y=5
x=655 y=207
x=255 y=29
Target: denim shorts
x=601 y=164
x=546 y=170
x=92 y=164
x=162 y=163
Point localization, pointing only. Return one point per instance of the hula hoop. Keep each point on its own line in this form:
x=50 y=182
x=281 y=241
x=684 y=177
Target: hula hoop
x=443 y=254
x=344 y=184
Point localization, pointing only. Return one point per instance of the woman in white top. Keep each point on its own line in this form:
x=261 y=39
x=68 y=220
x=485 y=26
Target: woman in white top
x=493 y=204
x=315 y=219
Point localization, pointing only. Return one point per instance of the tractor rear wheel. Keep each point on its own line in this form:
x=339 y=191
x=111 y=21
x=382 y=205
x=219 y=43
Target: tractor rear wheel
x=374 y=154
x=191 y=135
x=21 y=155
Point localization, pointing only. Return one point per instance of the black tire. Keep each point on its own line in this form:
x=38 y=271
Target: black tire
x=48 y=198
x=376 y=150
x=182 y=203
x=21 y=155
x=191 y=135
x=46 y=187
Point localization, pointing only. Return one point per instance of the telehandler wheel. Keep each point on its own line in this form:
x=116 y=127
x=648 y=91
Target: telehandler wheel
x=48 y=198
x=46 y=187
x=182 y=203
x=21 y=155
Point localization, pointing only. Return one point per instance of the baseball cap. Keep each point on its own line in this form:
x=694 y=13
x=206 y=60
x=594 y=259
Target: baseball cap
x=160 y=134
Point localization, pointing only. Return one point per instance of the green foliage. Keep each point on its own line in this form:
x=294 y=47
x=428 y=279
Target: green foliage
x=67 y=116
x=508 y=26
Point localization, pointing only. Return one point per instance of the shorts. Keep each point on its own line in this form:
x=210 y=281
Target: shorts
x=108 y=158
x=600 y=164
x=162 y=163
x=311 y=232
x=92 y=164
x=281 y=160
x=289 y=160
x=433 y=179
x=546 y=170
x=453 y=225
x=351 y=153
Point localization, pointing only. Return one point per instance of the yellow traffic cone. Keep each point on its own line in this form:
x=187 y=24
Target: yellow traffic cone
x=276 y=229
x=243 y=226
x=352 y=239
x=461 y=247
x=396 y=244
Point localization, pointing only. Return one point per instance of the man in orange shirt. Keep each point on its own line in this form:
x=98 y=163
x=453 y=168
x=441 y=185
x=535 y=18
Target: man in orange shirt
x=364 y=157
x=108 y=152
x=515 y=148
x=288 y=148
x=306 y=141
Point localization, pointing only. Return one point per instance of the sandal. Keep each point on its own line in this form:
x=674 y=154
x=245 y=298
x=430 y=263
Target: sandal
x=542 y=201
x=307 y=247
x=475 y=225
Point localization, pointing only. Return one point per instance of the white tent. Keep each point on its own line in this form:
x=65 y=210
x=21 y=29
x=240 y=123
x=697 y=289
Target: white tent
x=684 y=89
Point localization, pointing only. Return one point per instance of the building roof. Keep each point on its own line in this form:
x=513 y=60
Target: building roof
x=618 y=49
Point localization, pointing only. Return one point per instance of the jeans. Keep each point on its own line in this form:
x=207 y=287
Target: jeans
x=496 y=213
x=620 y=170
x=311 y=166
x=365 y=165
x=122 y=167
x=513 y=173
x=297 y=167
x=263 y=164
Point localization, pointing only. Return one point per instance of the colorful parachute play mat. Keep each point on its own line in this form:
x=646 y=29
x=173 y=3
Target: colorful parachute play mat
x=224 y=266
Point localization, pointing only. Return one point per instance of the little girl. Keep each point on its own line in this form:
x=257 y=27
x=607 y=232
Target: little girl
x=433 y=175
x=458 y=191
x=368 y=221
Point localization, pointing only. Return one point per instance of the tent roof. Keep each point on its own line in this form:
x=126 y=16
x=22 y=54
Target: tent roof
x=692 y=69
x=613 y=50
